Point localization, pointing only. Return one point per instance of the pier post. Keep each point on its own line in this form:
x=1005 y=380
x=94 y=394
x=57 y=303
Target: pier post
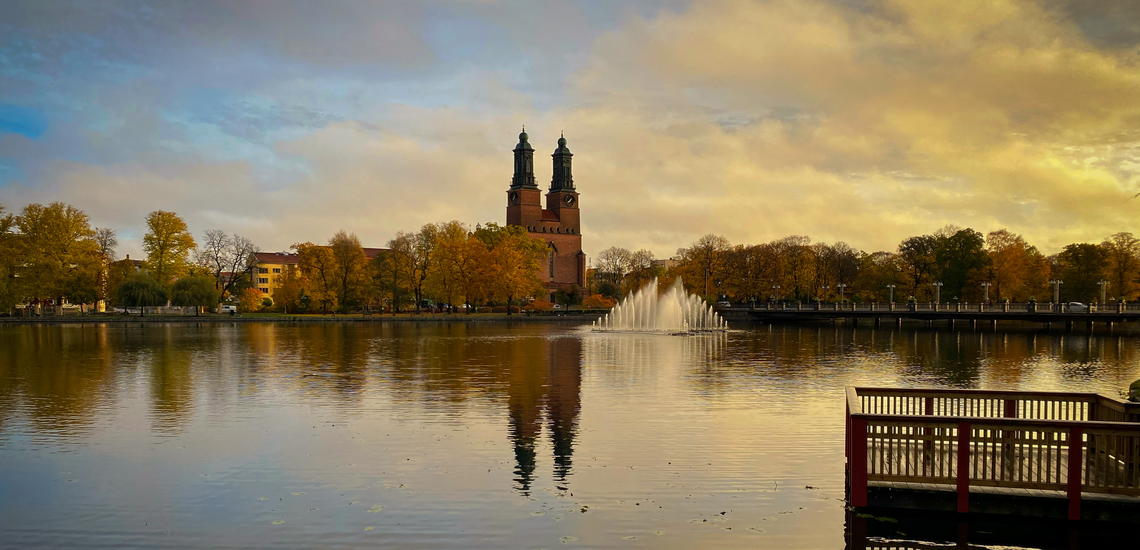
x=963 y=468
x=858 y=464
x=1076 y=444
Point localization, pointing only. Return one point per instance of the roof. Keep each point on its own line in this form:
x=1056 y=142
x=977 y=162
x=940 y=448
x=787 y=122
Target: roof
x=289 y=258
x=548 y=215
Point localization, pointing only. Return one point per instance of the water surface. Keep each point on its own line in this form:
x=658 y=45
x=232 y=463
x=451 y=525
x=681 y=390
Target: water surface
x=480 y=435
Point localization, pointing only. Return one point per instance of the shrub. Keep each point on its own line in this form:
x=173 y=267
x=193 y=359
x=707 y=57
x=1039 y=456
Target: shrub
x=249 y=300
x=597 y=301
x=539 y=305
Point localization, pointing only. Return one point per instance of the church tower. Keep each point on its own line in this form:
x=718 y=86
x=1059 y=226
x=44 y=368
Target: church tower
x=559 y=224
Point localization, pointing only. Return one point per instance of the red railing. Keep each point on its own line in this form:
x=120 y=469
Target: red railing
x=1072 y=442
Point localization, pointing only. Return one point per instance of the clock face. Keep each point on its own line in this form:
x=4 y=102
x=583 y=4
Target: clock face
x=569 y=200
x=513 y=197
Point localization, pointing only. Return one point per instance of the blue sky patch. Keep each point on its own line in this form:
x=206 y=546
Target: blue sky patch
x=19 y=120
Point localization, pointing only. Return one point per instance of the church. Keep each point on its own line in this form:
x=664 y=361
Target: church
x=559 y=224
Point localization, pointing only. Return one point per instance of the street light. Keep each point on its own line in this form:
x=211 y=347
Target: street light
x=891 y=289
x=825 y=289
x=937 y=293
x=1056 y=290
x=775 y=292
x=1103 y=283
x=987 y=286
x=841 y=286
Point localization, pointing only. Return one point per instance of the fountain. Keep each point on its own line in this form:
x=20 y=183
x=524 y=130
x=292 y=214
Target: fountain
x=674 y=311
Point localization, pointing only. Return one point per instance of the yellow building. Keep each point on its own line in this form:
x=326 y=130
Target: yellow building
x=270 y=266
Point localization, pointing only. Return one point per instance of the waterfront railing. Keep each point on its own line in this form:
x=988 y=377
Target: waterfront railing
x=1049 y=441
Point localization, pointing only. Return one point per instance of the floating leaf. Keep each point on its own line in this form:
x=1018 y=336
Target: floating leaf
x=659 y=532
x=262 y=498
x=538 y=513
x=631 y=537
x=369 y=528
x=299 y=494
x=375 y=509
x=568 y=539
x=278 y=522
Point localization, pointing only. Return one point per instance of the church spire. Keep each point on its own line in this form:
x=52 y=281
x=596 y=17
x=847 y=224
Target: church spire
x=563 y=179
x=524 y=164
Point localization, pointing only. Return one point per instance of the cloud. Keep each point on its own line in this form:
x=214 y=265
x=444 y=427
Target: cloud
x=859 y=121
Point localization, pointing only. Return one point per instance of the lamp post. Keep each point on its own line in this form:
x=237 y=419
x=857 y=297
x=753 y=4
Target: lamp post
x=1057 y=291
x=891 y=290
x=937 y=294
x=825 y=288
x=987 y=286
x=1103 y=283
x=841 y=286
x=775 y=292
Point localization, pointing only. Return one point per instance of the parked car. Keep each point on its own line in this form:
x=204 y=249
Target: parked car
x=228 y=308
x=1077 y=307
x=557 y=306
x=723 y=304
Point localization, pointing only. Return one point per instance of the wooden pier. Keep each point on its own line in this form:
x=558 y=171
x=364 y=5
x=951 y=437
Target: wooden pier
x=1043 y=454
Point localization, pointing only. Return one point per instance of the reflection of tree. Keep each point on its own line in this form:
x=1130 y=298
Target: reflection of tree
x=171 y=376
x=525 y=393
x=57 y=376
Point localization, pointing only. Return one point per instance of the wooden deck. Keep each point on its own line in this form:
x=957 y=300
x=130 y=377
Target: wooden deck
x=968 y=441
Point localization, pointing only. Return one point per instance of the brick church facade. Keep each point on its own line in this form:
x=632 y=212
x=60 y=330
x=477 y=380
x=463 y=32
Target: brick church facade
x=559 y=224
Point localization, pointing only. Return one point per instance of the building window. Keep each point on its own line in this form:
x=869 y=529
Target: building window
x=277 y=270
x=264 y=290
x=262 y=281
x=551 y=263
x=263 y=270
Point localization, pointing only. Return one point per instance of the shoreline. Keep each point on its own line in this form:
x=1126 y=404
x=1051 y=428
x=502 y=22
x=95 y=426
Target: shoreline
x=287 y=319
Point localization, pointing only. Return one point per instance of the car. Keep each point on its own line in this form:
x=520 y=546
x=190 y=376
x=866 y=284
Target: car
x=1077 y=307
x=229 y=309
x=724 y=303
x=557 y=306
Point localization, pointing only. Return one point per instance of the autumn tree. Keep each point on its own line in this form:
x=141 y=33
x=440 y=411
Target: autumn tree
x=704 y=261
x=222 y=254
x=1123 y=273
x=876 y=271
x=513 y=262
x=455 y=273
x=318 y=265
x=59 y=256
x=962 y=263
x=350 y=268
x=290 y=290
x=168 y=244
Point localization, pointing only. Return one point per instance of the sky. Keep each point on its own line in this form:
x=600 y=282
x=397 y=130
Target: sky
x=863 y=121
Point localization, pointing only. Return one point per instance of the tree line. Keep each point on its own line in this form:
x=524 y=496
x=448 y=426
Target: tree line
x=965 y=263
x=443 y=263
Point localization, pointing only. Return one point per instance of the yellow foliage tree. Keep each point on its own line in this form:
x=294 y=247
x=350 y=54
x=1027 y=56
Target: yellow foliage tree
x=318 y=265
x=167 y=243
x=249 y=300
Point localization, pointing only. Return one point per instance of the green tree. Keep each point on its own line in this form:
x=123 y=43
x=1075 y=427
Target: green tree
x=8 y=262
x=917 y=255
x=962 y=263
x=141 y=290
x=196 y=291
x=168 y=244
x=1080 y=266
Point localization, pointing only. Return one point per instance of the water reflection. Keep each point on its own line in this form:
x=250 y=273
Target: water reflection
x=467 y=432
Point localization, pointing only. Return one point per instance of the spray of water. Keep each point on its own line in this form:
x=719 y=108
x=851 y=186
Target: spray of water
x=673 y=311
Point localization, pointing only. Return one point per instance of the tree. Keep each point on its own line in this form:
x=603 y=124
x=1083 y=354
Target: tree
x=220 y=254
x=249 y=300
x=8 y=262
x=917 y=255
x=194 y=291
x=514 y=260
x=597 y=301
x=1080 y=266
x=106 y=240
x=349 y=268
x=1123 y=251
x=568 y=295
x=168 y=244
x=962 y=261
x=1009 y=263
x=703 y=261
x=59 y=255
x=141 y=290
x=290 y=289
x=455 y=272
x=318 y=265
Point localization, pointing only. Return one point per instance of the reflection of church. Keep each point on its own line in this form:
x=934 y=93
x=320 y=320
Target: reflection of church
x=559 y=224
x=549 y=383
